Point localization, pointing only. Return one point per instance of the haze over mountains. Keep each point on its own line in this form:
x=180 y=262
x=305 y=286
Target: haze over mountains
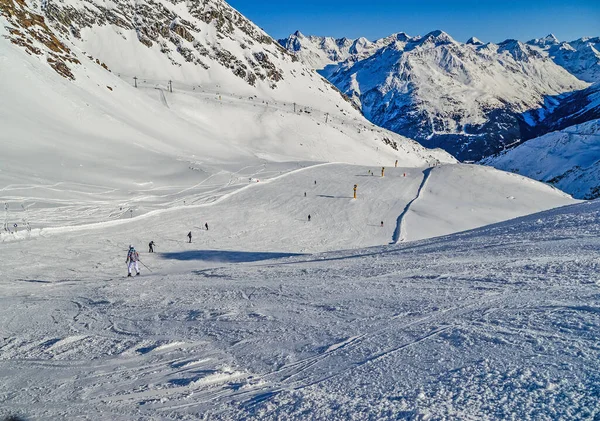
x=472 y=99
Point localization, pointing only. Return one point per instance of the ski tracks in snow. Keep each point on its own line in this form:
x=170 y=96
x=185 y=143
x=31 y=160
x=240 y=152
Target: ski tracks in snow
x=400 y=233
x=354 y=352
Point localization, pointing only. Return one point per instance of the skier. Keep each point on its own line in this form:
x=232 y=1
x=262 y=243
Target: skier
x=206 y=225
x=315 y=182
x=381 y=224
x=151 y=247
x=308 y=218
x=190 y=236
x=132 y=259
x=304 y=194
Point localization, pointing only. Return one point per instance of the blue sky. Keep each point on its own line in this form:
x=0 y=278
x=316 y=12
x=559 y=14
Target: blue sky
x=488 y=20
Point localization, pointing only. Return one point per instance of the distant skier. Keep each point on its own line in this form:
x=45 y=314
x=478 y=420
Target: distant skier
x=308 y=218
x=151 y=247
x=304 y=194
x=206 y=225
x=381 y=224
x=315 y=182
x=190 y=236
x=132 y=259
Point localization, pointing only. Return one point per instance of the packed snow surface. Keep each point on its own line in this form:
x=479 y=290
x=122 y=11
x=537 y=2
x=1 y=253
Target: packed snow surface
x=501 y=322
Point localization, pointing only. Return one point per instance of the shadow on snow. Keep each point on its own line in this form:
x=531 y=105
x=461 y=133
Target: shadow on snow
x=225 y=256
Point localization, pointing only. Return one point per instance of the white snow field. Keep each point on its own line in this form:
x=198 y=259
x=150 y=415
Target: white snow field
x=262 y=316
x=502 y=322
x=60 y=139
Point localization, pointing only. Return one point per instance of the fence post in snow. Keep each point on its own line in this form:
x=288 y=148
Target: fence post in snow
x=135 y=81
x=326 y=117
x=171 y=86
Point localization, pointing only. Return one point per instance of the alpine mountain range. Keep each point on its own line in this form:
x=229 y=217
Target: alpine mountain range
x=475 y=100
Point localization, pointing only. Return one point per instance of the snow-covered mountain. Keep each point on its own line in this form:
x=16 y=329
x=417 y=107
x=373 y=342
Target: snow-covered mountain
x=71 y=115
x=466 y=98
x=319 y=52
x=471 y=99
x=580 y=57
x=568 y=159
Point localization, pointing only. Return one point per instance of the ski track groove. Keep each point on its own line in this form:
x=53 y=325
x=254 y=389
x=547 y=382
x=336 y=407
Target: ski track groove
x=400 y=231
x=311 y=361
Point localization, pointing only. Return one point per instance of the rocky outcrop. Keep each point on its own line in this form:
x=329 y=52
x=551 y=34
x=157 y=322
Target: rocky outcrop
x=30 y=31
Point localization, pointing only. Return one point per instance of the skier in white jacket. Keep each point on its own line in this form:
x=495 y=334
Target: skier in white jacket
x=133 y=258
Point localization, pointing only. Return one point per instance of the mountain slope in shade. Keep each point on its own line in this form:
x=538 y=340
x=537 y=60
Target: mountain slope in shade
x=580 y=57
x=562 y=111
x=568 y=159
x=465 y=98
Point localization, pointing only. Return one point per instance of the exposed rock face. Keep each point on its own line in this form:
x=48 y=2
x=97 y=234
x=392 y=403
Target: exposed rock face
x=202 y=32
x=29 y=30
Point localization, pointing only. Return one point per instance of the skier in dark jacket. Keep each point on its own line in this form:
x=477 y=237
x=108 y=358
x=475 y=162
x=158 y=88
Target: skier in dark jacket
x=308 y=218
x=151 y=247
x=190 y=236
x=206 y=225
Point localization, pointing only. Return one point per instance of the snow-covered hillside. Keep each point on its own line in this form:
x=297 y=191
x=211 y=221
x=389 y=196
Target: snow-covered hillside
x=466 y=98
x=568 y=159
x=67 y=121
x=500 y=322
x=580 y=57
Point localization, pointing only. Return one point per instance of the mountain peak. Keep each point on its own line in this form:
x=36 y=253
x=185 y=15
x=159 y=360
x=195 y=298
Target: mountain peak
x=298 y=34
x=547 y=41
x=401 y=36
x=474 y=41
x=438 y=37
x=438 y=33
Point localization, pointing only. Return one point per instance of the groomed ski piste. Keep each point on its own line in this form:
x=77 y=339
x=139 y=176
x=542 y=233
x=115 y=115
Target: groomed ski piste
x=266 y=315
x=495 y=323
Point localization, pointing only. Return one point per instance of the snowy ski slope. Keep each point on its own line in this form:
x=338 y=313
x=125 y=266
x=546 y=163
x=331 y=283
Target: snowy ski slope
x=500 y=322
x=265 y=315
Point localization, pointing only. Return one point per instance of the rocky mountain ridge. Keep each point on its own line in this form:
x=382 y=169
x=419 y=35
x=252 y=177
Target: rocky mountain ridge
x=472 y=99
